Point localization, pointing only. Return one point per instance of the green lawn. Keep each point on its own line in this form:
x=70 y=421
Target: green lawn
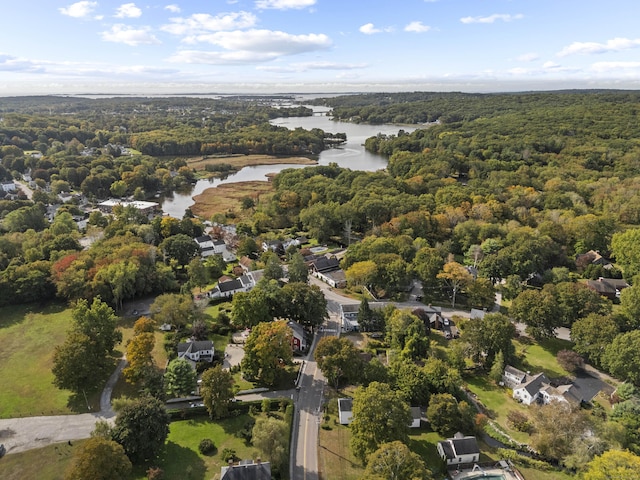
x=181 y=451
x=28 y=335
x=537 y=357
x=46 y=463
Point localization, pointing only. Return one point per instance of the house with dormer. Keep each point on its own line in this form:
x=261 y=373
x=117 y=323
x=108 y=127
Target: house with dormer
x=196 y=351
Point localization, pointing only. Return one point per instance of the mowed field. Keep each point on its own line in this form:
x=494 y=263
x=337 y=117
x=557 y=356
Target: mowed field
x=240 y=161
x=28 y=336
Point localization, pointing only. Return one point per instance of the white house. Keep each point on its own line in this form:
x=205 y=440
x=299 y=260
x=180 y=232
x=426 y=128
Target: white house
x=9 y=186
x=537 y=388
x=241 y=284
x=345 y=411
x=459 y=449
x=528 y=392
x=197 y=351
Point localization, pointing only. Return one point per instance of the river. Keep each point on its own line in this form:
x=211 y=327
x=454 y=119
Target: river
x=349 y=155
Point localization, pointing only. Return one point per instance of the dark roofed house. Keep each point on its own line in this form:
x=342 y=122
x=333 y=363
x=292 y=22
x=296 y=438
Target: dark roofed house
x=512 y=377
x=345 y=411
x=529 y=391
x=608 y=287
x=247 y=470
x=325 y=264
x=458 y=450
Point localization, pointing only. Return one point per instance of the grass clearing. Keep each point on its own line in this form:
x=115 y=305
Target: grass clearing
x=28 y=335
x=181 y=453
x=228 y=197
x=537 y=357
x=239 y=161
x=46 y=463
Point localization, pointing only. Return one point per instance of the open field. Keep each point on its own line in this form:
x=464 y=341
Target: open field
x=537 y=357
x=46 y=463
x=239 y=161
x=228 y=197
x=28 y=335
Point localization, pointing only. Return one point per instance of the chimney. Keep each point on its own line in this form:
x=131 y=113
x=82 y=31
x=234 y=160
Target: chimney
x=230 y=463
x=258 y=461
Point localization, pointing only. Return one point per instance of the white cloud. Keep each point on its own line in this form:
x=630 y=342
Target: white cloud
x=173 y=8
x=492 y=18
x=11 y=63
x=252 y=46
x=608 y=67
x=284 y=4
x=203 y=22
x=370 y=29
x=587 y=48
x=79 y=9
x=120 y=33
x=417 y=27
x=128 y=10
x=307 y=66
x=551 y=65
x=528 y=57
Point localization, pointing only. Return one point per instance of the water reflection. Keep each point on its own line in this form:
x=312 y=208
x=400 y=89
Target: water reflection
x=349 y=155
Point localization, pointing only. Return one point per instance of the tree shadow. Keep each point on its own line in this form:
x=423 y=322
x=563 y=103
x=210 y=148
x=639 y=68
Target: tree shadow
x=182 y=463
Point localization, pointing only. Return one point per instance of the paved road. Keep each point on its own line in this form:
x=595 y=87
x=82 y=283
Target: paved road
x=309 y=401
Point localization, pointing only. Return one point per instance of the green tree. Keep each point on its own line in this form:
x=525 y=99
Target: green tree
x=447 y=416
x=362 y=273
x=271 y=436
x=180 y=248
x=83 y=360
x=427 y=264
x=613 y=464
x=214 y=266
x=338 y=359
x=217 y=391
x=456 y=277
x=481 y=293
x=488 y=336
x=622 y=357
x=497 y=368
x=394 y=461
x=539 y=310
x=411 y=381
x=141 y=427
x=197 y=273
x=267 y=352
x=247 y=246
x=304 y=304
x=630 y=306
x=297 y=269
x=173 y=309
x=592 y=334
x=272 y=268
x=179 y=378
x=379 y=416
x=625 y=247
x=99 y=459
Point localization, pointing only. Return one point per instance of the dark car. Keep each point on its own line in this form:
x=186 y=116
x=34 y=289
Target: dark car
x=2 y=450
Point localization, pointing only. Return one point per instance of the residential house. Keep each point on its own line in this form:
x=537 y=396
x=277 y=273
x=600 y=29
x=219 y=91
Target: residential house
x=246 y=263
x=298 y=340
x=459 y=450
x=246 y=470
x=416 y=417
x=275 y=246
x=512 y=377
x=229 y=288
x=8 y=186
x=212 y=246
x=345 y=411
x=528 y=392
x=529 y=388
x=608 y=287
x=196 y=351
x=336 y=278
x=205 y=242
x=349 y=315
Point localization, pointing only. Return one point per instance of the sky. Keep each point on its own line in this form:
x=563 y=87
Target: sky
x=317 y=46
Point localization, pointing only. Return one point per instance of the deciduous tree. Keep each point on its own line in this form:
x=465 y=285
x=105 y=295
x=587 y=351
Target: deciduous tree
x=179 y=378
x=539 y=310
x=338 y=359
x=447 y=415
x=456 y=277
x=173 y=309
x=394 y=461
x=267 y=352
x=139 y=356
x=141 y=427
x=297 y=269
x=613 y=464
x=271 y=435
x=99 y=459
x=379 y=416
x=622 y=357
x=217 y=391
x=592 y=334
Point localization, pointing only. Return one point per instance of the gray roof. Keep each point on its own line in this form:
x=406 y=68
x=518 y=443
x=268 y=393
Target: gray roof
x=465 y=445
x=535 y=383
x=230 y=286
x=247 y=471
x=345 y=404
x=197 y=346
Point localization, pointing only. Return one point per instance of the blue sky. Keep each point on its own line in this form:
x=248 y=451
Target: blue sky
x=254 y=46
